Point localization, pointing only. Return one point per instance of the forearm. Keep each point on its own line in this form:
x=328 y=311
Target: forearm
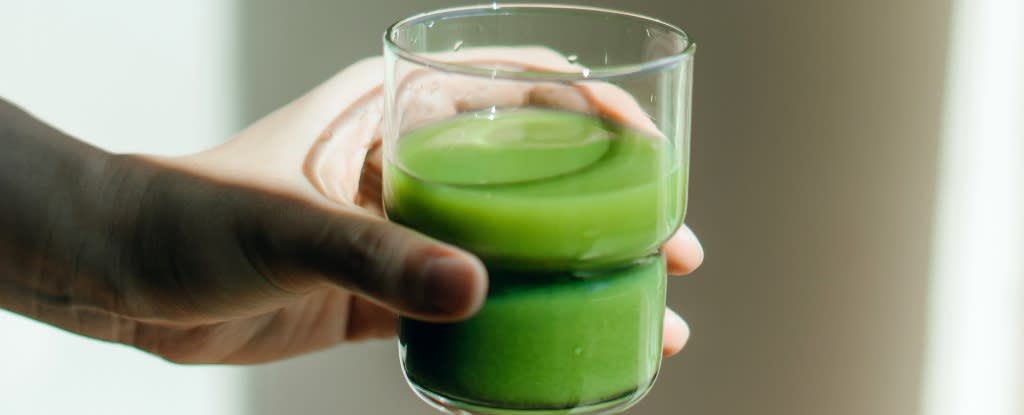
x=54 y=236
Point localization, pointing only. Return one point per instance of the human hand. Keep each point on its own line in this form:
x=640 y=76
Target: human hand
x=272 y=244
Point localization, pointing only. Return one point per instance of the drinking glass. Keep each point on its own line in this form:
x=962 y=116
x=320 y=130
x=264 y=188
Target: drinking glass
x=552 y=142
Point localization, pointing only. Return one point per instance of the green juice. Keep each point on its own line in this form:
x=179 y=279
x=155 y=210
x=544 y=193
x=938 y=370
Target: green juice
x=567 y=211
x=547 y=341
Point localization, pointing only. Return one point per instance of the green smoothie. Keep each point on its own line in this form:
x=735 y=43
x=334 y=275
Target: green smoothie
x=535 y=188
x=567 y=212
x=547 y=341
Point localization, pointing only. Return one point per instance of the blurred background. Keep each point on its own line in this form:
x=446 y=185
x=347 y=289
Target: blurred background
x=857 y=183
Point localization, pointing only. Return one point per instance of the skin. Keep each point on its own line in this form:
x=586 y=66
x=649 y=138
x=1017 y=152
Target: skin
x=244 y=253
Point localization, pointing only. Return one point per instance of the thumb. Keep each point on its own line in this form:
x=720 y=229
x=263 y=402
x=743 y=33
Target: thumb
x=395 y=266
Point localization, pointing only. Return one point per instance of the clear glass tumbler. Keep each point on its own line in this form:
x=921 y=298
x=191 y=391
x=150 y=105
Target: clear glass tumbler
x=552 y=142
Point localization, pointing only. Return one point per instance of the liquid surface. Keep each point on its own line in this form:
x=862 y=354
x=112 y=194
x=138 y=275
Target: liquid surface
x=538 y=189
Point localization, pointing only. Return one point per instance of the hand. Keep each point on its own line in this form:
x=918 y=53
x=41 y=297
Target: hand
x=255 y=251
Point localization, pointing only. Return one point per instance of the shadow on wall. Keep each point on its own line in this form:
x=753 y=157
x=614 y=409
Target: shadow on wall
x=813 y=169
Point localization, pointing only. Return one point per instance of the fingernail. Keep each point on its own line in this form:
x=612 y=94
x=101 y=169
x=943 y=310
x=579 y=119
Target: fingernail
x=452 y=285
x=676 y=333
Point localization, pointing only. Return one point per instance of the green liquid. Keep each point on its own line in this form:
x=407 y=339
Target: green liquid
x=559 y=343
x=566 y=210
x=537 y=188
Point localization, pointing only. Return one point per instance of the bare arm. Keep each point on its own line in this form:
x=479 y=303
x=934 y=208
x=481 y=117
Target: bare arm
x=54 y=232
x=138 y=251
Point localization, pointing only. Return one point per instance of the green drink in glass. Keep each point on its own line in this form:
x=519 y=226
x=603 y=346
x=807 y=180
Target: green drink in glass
x=557 y=154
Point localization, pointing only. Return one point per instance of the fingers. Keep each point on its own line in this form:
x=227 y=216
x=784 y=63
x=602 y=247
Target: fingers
x=683 y=252
x=602 y=97
x=675 y=334
x=369 y=320
x=371 y=182
x=404 y=270
x=335 y=155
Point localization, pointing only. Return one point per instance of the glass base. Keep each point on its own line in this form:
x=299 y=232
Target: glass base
x=456 y=407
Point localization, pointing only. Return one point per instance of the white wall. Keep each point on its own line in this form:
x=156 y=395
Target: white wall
x=976 y=319
x=125 y=75
x=128 y=76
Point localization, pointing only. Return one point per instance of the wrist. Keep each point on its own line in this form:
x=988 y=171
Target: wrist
x=54 y=235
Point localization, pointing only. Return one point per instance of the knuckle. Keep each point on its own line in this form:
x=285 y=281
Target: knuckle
x=563 y=97
x=362 y=254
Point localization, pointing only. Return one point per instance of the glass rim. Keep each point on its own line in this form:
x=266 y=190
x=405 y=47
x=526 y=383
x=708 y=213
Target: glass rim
x=601 y=73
